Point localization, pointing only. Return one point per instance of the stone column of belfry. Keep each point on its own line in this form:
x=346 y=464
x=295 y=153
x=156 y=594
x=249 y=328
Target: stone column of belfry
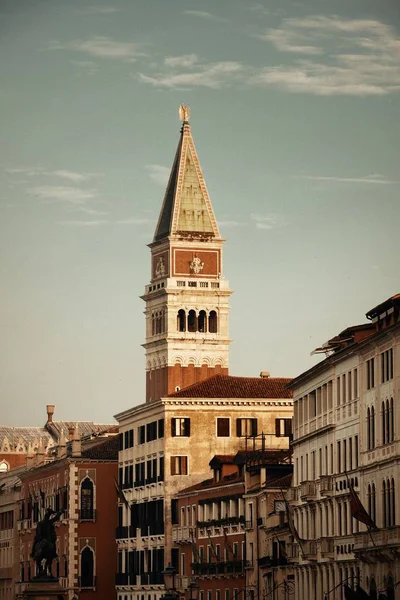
x=187 y=299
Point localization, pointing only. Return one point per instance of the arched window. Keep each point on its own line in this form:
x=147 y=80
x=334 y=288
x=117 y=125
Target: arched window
x=391 y=414
x=390 y=588
x=181 y=324
x=4 y=467
x=387 y=422
x=384 y=505
x=202 y=321
x=368 y=429
x=373 y=503
x=153 y=324
x=369 y=497
x=383 y=418
x=393 y=504
x=87 y=499
x=372 y=589
x=372 y=427
x=212 y=322
x=192 y=320
x=87 y=568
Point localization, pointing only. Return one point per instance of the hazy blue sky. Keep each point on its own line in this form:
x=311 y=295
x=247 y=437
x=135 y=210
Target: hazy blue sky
x=295 y=115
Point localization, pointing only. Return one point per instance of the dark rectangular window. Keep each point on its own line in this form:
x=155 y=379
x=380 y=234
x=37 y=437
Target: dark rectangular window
x=370 y=373
x=223 y=427
x=131 y=438
x=180 y=427
x=121 y=441
x=161 y=469
x=179 y=465
x=283 y=427
x=142 y=434
x=339 y=458
x=161 y=428
x=126 y=439
x=246 y=427
x=174 y=512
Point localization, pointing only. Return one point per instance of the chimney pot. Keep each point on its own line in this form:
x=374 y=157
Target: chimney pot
x=265 y=374
x=50 y=412
x=71 y=432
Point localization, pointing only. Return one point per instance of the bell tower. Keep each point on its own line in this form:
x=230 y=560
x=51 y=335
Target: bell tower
x=187 y=300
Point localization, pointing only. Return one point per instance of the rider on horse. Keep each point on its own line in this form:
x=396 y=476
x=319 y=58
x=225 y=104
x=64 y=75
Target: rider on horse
x=44 y=544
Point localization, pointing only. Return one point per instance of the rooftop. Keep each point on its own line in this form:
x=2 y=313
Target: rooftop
x=227 y=386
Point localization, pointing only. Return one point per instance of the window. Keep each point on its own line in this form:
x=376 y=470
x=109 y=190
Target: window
x=246 y=427
x=370 y=373
x=87 y=508
x=87 y=568
x=179 y=465
x=174 y=512
x=181 y=321
x=283 y=427
x=387 y=365
x=212 y=322
x=180 y=427
x=356 y=450
x=355 y=383
x=161 y=428
x=192 y=321
x=142 y=434
x=223 y=427
x=202 y=321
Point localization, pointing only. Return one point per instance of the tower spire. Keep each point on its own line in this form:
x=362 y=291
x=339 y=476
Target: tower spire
x=187 y=300
x=186 y=210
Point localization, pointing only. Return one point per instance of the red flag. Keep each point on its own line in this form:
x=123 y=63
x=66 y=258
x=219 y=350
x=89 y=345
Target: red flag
x=357 y=509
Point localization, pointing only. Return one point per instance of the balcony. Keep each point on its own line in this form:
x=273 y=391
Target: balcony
x=122 y=533
x=87 y=583
x=308 y=490
x=292 y=494
x=309 y=550
x=249 y=525
x=183 y=535
x=220 y=568
x=327 y=547
x=122 y=579
x=384 y=537
x=292 y=551
x=326 y=485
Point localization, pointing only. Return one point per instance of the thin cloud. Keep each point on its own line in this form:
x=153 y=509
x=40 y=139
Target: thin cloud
x=159 y=173
x=269 y=221
x=202 y=14
x=59 y=193
x=135 y=221
x=358 y=57
x=214 y=76
x=74 y=176
x=83 y=223
x=99 y=10
x=102 y=47
x=228 y=224
x=368 y=179
x=186 y=60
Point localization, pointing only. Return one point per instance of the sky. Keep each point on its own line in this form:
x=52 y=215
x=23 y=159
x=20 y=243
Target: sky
x=295 y=117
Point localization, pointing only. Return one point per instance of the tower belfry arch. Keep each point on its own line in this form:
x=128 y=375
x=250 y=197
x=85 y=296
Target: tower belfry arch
x=187 y=300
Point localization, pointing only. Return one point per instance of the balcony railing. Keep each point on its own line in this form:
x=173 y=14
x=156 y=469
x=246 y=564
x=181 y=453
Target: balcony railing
x=221 y=522
x=308 y=490
x=87 y=582
x=310 y=550
x=327 y=546
x=292 y=551
x=183 y=535
x=219 y=568
x=122 y=532
x=326 y=485
x=292 y=494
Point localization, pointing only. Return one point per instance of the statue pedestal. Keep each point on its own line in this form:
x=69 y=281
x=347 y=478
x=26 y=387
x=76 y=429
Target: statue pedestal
x=44 y=590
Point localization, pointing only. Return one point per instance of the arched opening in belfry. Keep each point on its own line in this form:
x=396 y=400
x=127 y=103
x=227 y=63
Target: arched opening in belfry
x=213 y=322
x=202 y=321
x=181 y=321
x=192 y=321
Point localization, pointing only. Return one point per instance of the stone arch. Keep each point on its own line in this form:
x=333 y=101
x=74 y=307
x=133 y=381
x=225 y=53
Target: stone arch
x=4 y=466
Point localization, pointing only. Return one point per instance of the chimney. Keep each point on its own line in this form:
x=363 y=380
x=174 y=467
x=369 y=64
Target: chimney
x=50 y=412
x=71 y=433
x=76 y=446
x=62 y=445
x=265 y=374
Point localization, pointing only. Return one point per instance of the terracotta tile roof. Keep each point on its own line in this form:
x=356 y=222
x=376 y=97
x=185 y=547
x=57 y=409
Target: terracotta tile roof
x=280 y=482
x=209 y=484
x=84 y=427
x=101 y=448
x=222 y=459
x=226 y=386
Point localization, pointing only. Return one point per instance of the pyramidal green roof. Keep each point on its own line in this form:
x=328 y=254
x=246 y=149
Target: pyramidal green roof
x=186 y=209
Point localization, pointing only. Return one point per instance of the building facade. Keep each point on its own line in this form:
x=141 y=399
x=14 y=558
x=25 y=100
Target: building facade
x=345 y=438
x=10 y=489
x=80 y=480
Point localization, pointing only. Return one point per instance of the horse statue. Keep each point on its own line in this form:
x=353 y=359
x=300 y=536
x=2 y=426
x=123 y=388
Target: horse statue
x=44 y=544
